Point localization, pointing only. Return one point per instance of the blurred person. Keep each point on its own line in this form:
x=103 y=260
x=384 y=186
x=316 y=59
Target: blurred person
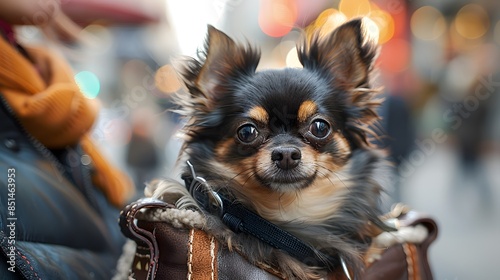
x=396 y=135
x=58 y=195
x=142 y=153
x=466 y=90
x=396 y=130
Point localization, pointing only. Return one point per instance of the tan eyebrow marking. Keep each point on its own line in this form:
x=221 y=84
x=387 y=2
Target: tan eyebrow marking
x=259 y=114
x=306 y=110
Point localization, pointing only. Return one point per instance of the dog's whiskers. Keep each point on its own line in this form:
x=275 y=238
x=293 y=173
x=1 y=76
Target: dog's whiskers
x=233 y=179
x=334 y=173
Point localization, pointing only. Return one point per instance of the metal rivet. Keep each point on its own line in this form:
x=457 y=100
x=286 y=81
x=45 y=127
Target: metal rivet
x=12 y=144
x=85 y=160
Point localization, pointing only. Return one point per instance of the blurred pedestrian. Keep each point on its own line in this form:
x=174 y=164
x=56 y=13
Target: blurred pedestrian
x=469 y=97
x=142 y=153
x=58 y=195
x=396 y=136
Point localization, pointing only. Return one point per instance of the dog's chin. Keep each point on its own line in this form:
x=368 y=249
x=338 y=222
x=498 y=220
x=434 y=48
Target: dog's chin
x=284 y=184
x=270 y=176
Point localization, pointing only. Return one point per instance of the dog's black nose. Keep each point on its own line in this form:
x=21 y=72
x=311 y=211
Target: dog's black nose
x=286 y=157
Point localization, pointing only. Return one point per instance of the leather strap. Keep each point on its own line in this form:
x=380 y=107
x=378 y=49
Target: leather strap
x=140 y=236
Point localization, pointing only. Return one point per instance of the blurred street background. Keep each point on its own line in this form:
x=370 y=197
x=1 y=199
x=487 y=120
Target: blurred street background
x=438 y=64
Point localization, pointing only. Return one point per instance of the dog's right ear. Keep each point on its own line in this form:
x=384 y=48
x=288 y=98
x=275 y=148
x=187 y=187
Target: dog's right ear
x=347 y=54
x=220 y=64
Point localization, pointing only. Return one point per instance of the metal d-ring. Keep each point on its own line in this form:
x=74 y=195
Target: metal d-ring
x=193 y=174
x=344 y=267
x=213 y=196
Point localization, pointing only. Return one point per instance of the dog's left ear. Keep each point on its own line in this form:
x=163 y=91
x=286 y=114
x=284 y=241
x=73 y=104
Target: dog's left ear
x=222 y=62
x=348 y=53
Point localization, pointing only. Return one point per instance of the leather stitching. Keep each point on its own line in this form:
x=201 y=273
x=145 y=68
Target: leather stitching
x=212 y=255
x=190 y=256
x=409 y=261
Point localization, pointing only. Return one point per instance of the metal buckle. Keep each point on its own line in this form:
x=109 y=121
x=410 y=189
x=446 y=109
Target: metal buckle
x=198 y=186
x=344 y=267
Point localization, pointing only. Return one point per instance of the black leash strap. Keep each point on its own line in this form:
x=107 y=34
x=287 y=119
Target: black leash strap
x=240 y=219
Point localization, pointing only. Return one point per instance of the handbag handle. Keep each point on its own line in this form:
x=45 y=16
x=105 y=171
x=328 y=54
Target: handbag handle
x=406 y=260
x=146 y=238
x=413 y=218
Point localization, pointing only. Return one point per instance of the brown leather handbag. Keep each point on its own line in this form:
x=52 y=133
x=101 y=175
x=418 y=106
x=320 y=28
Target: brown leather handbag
x=170 y=245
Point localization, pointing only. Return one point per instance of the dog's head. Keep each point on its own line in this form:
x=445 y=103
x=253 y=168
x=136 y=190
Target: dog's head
x=275 y=133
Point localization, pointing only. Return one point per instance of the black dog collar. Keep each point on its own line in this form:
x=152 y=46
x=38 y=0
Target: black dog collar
x=240 y=219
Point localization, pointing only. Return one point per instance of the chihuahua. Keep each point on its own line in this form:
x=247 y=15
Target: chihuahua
x=291 y=146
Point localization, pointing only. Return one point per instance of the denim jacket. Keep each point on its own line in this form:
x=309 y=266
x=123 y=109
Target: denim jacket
x=53 y=223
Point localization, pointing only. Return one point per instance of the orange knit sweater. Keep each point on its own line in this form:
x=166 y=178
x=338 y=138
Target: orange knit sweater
x=54 y=111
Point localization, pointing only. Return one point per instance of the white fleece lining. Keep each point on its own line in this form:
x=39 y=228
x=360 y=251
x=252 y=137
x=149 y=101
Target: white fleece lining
x=178 y=218
x=415 y=234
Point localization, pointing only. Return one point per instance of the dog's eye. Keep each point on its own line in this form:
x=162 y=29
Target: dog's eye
x=319 y=128
x=247 y=133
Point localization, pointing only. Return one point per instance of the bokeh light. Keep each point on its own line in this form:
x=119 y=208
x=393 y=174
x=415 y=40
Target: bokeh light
x=166 y=79
x=427 y=23
x=277 y=17
x=355 y=8
x=385 y=24
x=88 y=83
x=472 y=21
x=327 y=21
x=330 y=19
